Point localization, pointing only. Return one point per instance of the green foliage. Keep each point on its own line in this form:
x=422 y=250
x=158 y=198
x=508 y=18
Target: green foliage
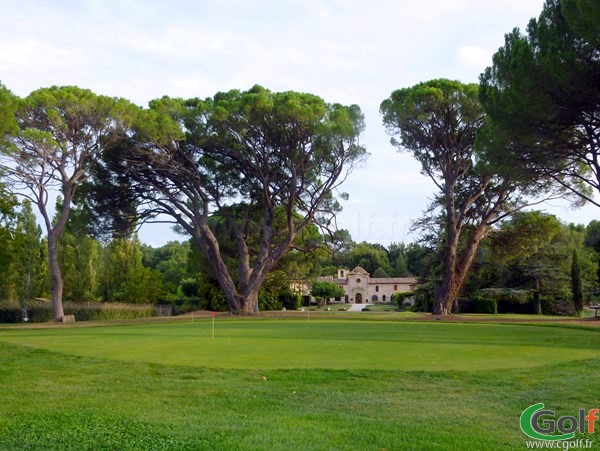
x=432 y=116
x=380 y=273
x=400 y=296
x=370 y=257
x=189 y=287
x=125 y=277
x=576 y=285
x=533 y=251
x=438 y=123
x=41 y=312
x=30 y=275
x=542 y=92
x=322 y=289
x=170 y=261
x=485 y=305
x=8 y=106
x=279 y=155
x=7 y=213
x=481 y=304
x=506 y=295
x=289 y=299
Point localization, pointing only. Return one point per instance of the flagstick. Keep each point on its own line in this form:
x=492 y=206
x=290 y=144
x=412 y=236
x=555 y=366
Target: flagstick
x=213 y=327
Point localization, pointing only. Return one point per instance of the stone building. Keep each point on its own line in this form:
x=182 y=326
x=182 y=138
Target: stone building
x=360 y=288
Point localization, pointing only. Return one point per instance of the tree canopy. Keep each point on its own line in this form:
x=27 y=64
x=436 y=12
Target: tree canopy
x=543 y=93
x=443 y=125
x=261 y=165
x=63 y=131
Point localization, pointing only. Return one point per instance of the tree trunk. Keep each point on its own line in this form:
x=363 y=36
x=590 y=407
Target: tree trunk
x=57 y=280
x=249 y=304
x=456 y=270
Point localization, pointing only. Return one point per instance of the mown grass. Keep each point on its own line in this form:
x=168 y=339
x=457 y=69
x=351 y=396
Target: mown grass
x=54 y=399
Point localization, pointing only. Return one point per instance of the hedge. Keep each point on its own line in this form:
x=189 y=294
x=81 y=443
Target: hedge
x=40 y=311
x=478 y=305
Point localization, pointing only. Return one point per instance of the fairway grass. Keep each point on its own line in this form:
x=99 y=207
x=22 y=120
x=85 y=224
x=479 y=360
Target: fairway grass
x=291 y=384
x=323 y=344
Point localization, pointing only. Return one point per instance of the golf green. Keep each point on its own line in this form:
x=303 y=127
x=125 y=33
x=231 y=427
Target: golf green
x=326 y=344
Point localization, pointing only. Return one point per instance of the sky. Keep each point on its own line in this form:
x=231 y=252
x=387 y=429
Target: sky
x=346 y=51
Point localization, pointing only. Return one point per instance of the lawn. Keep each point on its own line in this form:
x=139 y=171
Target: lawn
x=289 y=384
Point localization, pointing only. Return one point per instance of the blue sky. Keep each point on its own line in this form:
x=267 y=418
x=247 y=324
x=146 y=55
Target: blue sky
x=345 y=51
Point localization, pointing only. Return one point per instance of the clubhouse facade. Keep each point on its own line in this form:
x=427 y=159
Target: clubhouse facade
x=360 y=288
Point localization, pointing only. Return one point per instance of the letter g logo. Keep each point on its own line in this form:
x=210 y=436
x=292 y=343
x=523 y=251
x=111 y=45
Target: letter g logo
x=530 y=427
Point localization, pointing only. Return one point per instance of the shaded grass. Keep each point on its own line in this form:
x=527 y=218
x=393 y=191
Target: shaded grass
x=55 y=400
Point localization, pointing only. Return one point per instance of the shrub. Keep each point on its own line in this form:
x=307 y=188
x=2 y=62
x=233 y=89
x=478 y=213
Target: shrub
x=478 y=304
x=269 y=301
x=10 y=314
x=401 y=296
x=290 y=300
x=486 y=305
x=189 y=287
x=40 y=312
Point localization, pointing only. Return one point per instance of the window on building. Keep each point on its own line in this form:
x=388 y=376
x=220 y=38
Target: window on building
x=376 y=288
x=374 y=298
x=357 y=280
x=395 y=287
x=384 y=298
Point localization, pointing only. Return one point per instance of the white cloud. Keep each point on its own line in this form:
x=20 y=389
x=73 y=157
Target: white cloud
x=346 y=51
x=474 y=58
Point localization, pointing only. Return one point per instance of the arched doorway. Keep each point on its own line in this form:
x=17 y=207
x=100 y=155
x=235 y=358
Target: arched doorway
x=359 y=298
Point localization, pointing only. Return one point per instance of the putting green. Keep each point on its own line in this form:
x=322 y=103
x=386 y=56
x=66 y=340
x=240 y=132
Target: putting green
x=329 y=344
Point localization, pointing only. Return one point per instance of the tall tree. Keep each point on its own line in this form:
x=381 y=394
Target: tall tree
x=438 y=122
x=370 y=257
x=592 y=240
x=7 y=215
x=543 y=92
x=79 y=257
x=248 y=162
x=576 y=285
x=28 y=255
x=63 y=132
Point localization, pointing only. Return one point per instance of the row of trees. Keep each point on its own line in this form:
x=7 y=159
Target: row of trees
x=249 y=175
x=530 y=130
x=254 y=168
x=529 y=251
x=123 y=269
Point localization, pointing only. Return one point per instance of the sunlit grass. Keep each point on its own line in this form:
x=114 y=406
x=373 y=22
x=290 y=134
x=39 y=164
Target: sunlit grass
x=170 y=386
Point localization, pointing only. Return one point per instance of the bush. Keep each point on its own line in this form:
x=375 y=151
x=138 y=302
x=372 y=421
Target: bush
x=559 y=307
x=40 y=312
x=269 y=301
x=10 y=314
x=189 y=287
x=423 y=302
x=401 y=296
x=93 y=311
x=290 y=300
x=478 y=304
x=486 y=305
